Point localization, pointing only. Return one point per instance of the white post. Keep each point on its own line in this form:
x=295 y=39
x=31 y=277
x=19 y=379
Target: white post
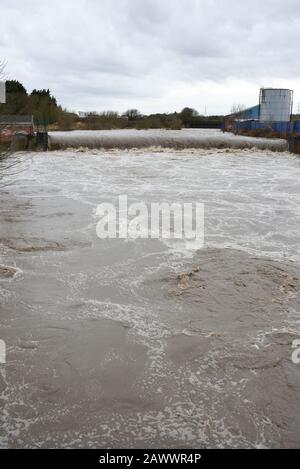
x=2 y=92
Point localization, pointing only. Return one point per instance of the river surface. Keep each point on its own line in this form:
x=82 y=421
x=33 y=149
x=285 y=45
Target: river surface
x=147 y=343
x=176 y=139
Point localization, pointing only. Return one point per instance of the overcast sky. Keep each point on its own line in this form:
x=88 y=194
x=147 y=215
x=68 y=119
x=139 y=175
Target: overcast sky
x=154 y=55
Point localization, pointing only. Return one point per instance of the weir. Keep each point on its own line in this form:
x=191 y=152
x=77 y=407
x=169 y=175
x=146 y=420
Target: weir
x=186 y=138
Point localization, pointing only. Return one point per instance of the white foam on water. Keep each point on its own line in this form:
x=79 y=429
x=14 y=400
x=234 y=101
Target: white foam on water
x=178 y=139
x=252 y=200
x=251 y=197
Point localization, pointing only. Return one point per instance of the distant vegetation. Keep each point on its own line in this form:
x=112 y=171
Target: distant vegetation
x=40 y=103
x=48 y=114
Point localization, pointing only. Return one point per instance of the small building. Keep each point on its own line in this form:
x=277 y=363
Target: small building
x=10 y=125
x=83 y=115
x=251 y=113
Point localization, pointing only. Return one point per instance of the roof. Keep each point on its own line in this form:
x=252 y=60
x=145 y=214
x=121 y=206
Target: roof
x=246 y=114
x=16 y=120
x=276 y=89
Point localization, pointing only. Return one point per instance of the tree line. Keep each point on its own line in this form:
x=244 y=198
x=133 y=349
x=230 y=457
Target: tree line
x=49 y=114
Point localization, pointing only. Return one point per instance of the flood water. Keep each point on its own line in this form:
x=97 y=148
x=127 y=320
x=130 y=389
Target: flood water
x=145 y=343
x=177 y=139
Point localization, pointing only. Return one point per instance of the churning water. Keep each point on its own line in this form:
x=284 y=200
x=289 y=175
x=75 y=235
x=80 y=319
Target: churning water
x=177 y=139
x=114 y=343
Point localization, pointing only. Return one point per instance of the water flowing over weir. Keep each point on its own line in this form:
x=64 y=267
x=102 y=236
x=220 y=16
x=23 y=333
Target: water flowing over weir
x=187 y=138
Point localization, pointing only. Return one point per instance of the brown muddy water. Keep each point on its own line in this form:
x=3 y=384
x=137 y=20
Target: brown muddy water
x=144 y=343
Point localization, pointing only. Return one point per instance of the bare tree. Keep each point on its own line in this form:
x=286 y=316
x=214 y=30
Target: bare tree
x=238 y=109
x=237 y=114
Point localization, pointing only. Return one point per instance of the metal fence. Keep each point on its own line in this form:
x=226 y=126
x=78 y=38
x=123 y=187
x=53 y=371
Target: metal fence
x=282 y=128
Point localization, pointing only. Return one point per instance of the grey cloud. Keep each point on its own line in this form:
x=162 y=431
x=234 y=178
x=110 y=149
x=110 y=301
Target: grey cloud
x=94 y=53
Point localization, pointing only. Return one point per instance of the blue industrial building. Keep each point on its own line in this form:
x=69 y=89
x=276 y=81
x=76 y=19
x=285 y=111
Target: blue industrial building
x=273 y=113
x=250 y=113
